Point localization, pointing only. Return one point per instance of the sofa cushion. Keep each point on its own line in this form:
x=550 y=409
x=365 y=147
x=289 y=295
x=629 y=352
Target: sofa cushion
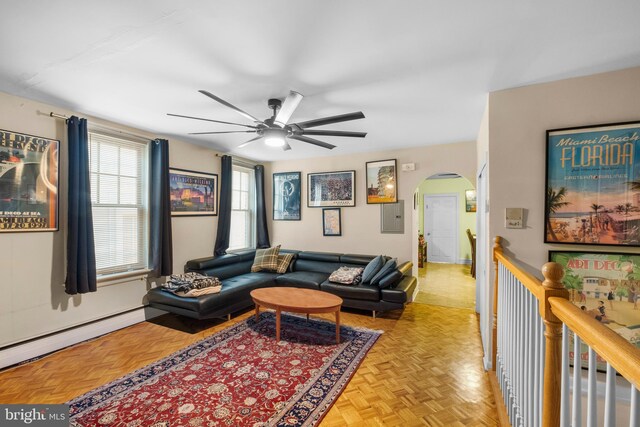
x=394 y=295
x=388 y=267
x=391 y=279
x=316 y=266
x=225 y=271
x=356 y=259
x=302 y=279
x=210 y=262
x=266 y=259
x=372 y=268
x=363 y=292
x=233 y=290
x=319 y=256
x=255 y=279
x=284 y=260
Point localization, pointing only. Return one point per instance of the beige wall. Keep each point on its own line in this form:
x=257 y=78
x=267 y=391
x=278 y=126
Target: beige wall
x=32 y=265
x=193 y=237
x=518 y=119
x=361 y=224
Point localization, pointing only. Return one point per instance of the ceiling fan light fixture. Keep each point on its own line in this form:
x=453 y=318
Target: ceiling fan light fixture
x=274 y=137
x=274 y=141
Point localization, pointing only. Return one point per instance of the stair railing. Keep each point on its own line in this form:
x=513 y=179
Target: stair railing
x=533 y=375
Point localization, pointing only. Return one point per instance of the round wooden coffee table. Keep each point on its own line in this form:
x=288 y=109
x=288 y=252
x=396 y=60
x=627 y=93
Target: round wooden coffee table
x=296 y=300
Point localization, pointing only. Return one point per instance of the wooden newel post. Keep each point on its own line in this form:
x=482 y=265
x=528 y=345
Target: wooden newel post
x=497 y=249
x=552 y=285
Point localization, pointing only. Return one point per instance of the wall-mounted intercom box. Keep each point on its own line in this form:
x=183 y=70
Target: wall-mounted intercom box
x=514 y=218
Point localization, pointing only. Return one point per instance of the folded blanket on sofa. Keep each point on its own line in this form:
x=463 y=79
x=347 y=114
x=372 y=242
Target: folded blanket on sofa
x=192 y=284
x=347 y=275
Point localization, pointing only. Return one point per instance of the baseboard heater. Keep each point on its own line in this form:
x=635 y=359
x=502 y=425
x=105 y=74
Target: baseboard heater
x=22 y=351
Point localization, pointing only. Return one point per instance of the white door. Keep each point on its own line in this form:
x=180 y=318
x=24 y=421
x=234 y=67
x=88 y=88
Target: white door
x=441 y=227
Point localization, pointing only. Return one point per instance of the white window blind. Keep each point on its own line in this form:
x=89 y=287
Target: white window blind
x=242 y=231
x=119 y=203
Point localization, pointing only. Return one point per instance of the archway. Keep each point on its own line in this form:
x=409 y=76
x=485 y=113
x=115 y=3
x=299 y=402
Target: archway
x=445 y=207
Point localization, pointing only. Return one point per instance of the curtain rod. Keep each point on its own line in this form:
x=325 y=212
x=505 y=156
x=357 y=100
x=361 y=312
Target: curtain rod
x=115 y=132
x=240 y=161
x=58 y=116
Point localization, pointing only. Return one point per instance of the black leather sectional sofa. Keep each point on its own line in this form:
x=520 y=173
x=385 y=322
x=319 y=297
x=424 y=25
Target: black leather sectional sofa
x=307 y=270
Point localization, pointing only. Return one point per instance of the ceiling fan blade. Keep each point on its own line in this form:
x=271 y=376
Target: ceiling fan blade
x=210 y=120
x=313 y=141
x=334 y=133
x=330 y=120
x=244 y=144
x=286 y=146
x=288 y=107
x=230 y=131
x=233 y=107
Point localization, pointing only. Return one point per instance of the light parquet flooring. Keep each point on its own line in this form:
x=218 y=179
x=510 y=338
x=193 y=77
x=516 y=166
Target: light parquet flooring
x=425 y=369
x=448 y=285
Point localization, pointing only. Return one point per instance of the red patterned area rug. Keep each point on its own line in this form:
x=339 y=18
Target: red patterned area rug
x=237 y=377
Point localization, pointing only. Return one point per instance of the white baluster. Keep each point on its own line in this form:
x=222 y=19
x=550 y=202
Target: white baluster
x=513 y=378
x=592 y=398
x=520 y=367
x=543 y=347
x=610 y=398
x=537 y=363
x=564 y=384
x=576 y=409
x=634 y=411
x=528 y=395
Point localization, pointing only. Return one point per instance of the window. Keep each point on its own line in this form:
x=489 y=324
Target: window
x=242 y=209
x=119 y=203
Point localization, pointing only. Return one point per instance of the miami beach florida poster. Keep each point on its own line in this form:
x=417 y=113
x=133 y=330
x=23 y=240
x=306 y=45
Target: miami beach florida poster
x=593 y=185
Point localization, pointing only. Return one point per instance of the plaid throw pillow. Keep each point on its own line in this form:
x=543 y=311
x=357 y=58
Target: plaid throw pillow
x=266 y=259
x=283 y=262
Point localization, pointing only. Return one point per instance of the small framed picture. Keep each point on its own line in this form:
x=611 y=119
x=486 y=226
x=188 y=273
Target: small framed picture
x=331 y=222
x=286 y=196
x=470 y=200
x=382 y=182
x=331 y=189
x=193 y=193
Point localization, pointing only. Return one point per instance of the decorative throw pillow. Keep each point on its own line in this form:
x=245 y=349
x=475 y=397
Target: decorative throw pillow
x=386 y=269
x=391 y=279
x=283 y=262
x=372 y=268
x=347 y=275
x=266 y=259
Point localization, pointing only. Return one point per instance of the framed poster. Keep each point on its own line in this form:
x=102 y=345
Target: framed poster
x=382 y=182
x=193 y=193
x=286 y=196
x=28 y=182
x=606 y=287
x=331 y=222
x=593 y=185
x=331 y=189
x=470 y=200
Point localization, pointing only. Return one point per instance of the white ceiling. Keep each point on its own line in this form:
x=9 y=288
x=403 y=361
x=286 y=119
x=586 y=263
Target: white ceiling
x=419 y=70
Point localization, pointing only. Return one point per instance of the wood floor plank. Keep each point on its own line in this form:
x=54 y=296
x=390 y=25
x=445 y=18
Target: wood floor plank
x=425 y=369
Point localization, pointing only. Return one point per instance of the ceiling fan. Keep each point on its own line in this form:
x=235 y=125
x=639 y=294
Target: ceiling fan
x=276 y=129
